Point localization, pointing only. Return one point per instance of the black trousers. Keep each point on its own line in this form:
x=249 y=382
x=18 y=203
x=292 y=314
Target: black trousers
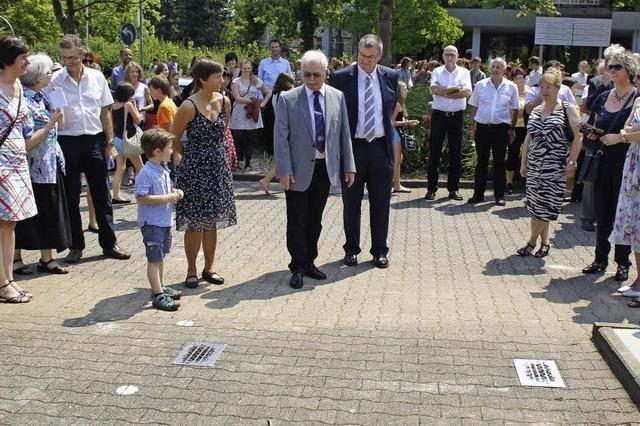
x=513 y=150
x=85 y=154
x=373 y=169
x=244 y=140
x=447 y=124
x=491 y=137
x=607 y=188
x=304 y=218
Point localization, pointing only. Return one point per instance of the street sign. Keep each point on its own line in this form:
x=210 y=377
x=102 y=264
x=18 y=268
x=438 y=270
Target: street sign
x=572 y=31
x=128 y=34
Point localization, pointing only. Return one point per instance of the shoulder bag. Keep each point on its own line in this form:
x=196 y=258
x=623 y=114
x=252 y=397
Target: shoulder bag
x=131 y=145
x=408 y=141
x=252 y=110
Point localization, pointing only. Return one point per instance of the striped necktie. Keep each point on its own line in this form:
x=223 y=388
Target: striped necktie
x=369 y=111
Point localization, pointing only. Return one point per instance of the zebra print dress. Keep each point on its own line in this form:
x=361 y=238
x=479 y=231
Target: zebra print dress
x=546 y=163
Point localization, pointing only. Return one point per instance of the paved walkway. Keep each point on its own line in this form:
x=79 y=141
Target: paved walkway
x=430 y=340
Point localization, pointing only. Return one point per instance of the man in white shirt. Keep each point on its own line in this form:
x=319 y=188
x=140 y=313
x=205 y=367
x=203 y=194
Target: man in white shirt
x=494 y=110
x=533 y=98
x=450 y=86
x=270 y=68
x=88 y=128
x=581 y=77
x=535 y=71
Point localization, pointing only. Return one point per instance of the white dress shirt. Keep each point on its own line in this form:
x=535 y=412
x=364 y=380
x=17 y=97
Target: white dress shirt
x=377 y=99
x=533 y=77
x=312 y=111
x=494 y=104
x=443 y=78
x=564 y=94
x=581 y=79
x=85 y=101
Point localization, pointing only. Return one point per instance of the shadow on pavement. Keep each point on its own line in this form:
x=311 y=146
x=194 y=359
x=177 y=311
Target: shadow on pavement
x=276 y=284
x=605 y=305
x=117 y=308
x=513 y=212
x=514 y=265
x=456 y=209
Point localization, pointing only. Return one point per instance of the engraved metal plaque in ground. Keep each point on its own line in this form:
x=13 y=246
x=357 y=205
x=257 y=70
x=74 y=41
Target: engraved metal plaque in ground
x=199 y=354
x=536 y=372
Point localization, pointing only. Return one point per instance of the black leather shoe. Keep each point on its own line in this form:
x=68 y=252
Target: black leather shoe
x=455 y=195
x=350 y=259
x=500 y=202
x=315 y=273
x=622 y=274
x=296 y=280
x=74 y=256
x=594 y=268
x=381 y=261
x=475 y=199
x=431 y=195
x=116 y=253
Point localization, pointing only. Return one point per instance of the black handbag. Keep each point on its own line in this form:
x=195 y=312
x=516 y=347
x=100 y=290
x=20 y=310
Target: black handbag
x=408 y=141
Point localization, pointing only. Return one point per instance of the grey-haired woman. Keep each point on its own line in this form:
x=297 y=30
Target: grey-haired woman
x=50 y=228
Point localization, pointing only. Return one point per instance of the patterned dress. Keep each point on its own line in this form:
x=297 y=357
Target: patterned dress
x=205 y=177
x=626 y=229
x=546 y=164
x=16 y=194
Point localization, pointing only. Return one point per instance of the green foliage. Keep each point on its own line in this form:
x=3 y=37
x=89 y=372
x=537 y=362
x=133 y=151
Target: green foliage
x=32 y=20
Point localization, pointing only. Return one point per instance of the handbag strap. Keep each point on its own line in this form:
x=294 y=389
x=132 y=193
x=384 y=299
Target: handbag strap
x=6 y=134
x=124 y=130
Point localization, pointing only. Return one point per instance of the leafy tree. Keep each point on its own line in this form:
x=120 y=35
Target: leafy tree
x=31 y=19
x=202 y=21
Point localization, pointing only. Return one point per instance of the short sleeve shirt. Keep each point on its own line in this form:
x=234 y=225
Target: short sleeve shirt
x=85 y=101
x=443 y=78
x=564 y=94
x=494 y=104
x=166 y=112
x=154 y=179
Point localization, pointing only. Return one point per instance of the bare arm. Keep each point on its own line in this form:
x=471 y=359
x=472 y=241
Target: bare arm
x=236 y=95
x=523 y=161
x=107 y=124
x=531 y=105
x=464 y=93
x=148 y=100
x=227 y=111
x=185 y=114
x=267 y=95
x=158 y=199
x=41 y=134
x=132 y=110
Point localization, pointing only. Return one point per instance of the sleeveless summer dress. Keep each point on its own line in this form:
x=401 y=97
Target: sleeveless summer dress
x=205 y=177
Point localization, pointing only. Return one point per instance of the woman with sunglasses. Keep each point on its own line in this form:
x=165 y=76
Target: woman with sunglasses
x=16 y=193
x=612 y=109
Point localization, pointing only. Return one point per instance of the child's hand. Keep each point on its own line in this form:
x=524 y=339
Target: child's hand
x=180 y=193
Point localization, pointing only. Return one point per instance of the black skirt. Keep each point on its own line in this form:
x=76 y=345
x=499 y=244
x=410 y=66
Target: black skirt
x=50 y=228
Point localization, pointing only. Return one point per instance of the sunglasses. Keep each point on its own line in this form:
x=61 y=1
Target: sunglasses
x=16 y=42
x=616 y=67
x=312 y=74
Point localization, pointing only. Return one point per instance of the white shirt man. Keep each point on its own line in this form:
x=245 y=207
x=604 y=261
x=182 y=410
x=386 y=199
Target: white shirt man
x=442 y=77
x=377 y=100
x=494 y=105
x=534 y=76
x=581 y=77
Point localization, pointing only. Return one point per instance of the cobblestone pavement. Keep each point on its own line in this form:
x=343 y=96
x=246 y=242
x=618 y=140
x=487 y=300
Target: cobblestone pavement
x=430 y=340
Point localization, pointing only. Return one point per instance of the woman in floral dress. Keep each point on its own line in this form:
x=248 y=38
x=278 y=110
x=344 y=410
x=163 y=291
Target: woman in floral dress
x=203 y=171
x=626 y=229
x=16 y=194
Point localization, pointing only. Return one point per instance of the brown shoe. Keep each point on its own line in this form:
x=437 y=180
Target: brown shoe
x=116 y=253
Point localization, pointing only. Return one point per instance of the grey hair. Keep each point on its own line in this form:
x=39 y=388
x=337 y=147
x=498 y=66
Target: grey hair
x=314 y=56
x=40 y=65
x=370 y=40
x=71 y=41
x=502 y=61
x=612 y=50
x=628 y=61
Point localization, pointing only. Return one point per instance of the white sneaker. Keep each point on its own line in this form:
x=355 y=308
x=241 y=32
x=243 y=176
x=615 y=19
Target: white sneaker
x=631 y=293
x=623 y=288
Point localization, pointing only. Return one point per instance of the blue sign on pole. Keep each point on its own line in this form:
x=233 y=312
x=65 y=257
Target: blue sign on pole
x=128 y=34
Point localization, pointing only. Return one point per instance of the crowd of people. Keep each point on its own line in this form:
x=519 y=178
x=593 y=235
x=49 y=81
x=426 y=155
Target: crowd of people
x=341 y=127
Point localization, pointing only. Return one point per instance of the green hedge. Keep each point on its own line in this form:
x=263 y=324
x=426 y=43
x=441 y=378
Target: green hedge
x=414 y=164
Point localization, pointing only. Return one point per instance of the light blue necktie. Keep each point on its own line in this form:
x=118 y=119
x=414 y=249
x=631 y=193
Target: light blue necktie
x=369 y=111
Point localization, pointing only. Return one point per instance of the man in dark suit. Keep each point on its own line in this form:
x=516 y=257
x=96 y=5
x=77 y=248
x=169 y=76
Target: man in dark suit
x=312 y=148
x=371 y=94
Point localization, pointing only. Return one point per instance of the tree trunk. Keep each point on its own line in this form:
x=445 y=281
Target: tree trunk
x=65 y=18
x=385 y=19
x=309 y=22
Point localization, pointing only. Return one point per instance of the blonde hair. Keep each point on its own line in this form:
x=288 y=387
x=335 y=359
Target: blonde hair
x=253 y=80
x=552 y=76
x=133 y=65
x=402 y=95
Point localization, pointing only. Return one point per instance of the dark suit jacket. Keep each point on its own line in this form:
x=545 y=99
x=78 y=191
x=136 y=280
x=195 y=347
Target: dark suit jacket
x=346 y=80
x=595 y=89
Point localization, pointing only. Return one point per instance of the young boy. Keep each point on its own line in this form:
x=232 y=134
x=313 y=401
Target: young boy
x=159 y=88
x=155 y=197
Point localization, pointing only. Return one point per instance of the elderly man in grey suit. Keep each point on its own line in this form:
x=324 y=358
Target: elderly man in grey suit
x=312 y=147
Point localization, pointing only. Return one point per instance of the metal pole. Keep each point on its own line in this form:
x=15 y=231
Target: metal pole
x=540 y=53
x=141 y=21
x=13 y=33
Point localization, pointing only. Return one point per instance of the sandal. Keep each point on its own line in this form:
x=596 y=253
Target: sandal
x=21 y=290
x=20 y=298
x=191 y=281
x=526 y=250
x=58 y=270
x=543 y=251
x=22 y=270
x=595 y=267
x=212 y=277
x=635 y=303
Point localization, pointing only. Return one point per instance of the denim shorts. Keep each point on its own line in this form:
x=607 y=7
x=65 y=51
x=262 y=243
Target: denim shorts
x=157 y=242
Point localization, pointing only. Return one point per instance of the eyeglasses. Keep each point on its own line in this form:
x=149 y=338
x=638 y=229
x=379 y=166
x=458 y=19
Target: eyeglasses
x=15 y=42
x=616 y=67
x=312 y=74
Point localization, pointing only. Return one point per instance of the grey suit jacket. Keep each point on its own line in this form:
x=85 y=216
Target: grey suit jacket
x=294 y=140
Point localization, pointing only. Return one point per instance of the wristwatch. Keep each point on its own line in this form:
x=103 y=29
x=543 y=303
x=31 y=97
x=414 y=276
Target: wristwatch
x=571 y=163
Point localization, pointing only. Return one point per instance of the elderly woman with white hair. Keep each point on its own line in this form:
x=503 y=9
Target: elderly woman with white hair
x=50 y=228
